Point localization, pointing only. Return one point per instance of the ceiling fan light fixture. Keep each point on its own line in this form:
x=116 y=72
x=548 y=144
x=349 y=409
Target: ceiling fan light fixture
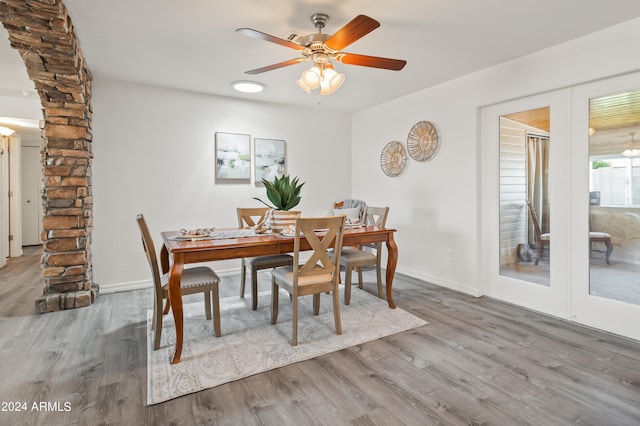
x=246 y=86
x=321 y=75
x=325 y=89
x=303 y=86
x=328 y=86
x=633 y=150
x=311 y=77
x=336 y=81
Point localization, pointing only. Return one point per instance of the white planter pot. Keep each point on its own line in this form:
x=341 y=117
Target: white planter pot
x=282 y=219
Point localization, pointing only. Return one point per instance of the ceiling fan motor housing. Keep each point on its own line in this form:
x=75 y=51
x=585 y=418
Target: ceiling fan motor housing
x=319 y=20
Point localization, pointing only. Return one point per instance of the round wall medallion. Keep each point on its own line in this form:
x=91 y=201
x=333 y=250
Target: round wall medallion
x=423 y=141
x=393 y=159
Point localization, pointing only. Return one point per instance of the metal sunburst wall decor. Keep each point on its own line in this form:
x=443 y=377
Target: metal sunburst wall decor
x=393 y=159
x=423 y=141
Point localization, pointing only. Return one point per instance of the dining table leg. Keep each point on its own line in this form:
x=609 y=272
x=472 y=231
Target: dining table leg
x=175 y=299
x=392 y=260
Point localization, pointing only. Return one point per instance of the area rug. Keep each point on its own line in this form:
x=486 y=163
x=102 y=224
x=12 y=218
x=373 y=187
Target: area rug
x=250 y=344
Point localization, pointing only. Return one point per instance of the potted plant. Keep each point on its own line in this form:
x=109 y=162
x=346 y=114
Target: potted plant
x=284 y=194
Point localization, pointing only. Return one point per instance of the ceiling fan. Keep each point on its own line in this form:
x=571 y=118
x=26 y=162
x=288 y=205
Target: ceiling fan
x=321 y=48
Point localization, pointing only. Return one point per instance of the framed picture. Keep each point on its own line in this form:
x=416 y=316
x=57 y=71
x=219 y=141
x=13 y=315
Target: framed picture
x=233 y=158
x=270 y=159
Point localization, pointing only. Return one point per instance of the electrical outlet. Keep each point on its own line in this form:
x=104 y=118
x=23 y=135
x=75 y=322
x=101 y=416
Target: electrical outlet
x=451 y=255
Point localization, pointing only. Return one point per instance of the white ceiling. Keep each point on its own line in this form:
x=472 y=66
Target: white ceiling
x=192 y=44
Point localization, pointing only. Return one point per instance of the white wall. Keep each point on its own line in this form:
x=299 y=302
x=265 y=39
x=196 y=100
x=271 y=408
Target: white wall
x=12 y=107
x=154 y=154
x=435 y=205
x=26 y=108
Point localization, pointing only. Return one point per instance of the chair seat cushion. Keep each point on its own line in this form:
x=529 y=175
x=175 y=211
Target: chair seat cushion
x=194 y=277
x=269 y=261
x=350 y=256
x=599 y=235
x=285 y=274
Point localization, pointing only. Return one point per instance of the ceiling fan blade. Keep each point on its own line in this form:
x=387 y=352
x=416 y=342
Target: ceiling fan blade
x=276 y=66
x=263 y=36
x=357 y=28
x=371 y=61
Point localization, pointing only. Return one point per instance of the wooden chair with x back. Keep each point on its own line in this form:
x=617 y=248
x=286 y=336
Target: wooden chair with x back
x=317 y=275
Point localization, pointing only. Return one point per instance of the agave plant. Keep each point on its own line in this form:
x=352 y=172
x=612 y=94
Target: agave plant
x=283 y=192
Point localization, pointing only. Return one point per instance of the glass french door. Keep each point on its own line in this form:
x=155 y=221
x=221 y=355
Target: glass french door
x=561 y=203
x=606 y=205
x=524 y=202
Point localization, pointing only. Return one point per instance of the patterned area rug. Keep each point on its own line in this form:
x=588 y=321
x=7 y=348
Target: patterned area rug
x=250 y=344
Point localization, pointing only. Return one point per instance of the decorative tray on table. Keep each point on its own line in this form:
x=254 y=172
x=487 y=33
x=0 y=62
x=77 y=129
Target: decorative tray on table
x=194 y=234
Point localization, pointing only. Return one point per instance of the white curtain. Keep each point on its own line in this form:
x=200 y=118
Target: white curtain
x=538 y=180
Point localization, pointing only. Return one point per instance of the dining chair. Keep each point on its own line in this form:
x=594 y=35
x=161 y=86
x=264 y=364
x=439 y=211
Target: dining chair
x=601 y=237
x=349 y=204
x=249 y=217
x=317 y=274
x=200 y=279
x=542 y=239
x=365 y=255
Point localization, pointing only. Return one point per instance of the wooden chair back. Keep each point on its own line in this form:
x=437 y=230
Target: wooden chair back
x=150 y=252
x=535 y=223
x=248 y=217
x=377 y=216
x=320 y=262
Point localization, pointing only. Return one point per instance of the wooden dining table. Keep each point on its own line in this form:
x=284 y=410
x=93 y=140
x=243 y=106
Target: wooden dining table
x=184 y=252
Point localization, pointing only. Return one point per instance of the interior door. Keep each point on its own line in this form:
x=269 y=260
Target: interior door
x=4 y=202
x=606 y=200
x=31 y=181
x=524 y=182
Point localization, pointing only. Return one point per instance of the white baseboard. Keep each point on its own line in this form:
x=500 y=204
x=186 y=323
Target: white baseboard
x=139 y=285
x=117 y=287
x=475 y=292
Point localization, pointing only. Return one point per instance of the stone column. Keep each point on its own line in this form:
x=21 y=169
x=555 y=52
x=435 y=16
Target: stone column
x=42 y=32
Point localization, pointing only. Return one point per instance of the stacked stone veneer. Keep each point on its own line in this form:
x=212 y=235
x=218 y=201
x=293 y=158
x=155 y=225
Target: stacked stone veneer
x=43 y=34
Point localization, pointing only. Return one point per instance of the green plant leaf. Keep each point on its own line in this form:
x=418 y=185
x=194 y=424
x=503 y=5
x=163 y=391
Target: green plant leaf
x=283 y=192
x=270 y=206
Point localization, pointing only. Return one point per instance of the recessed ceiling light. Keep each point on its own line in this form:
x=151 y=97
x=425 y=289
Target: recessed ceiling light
x=248 y=86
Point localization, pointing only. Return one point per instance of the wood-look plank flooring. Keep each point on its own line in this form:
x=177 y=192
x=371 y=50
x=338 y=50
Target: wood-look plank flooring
x=479 y=361
x=21 y=283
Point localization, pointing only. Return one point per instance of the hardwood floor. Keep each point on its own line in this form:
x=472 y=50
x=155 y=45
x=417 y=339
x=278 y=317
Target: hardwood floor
x=479 y=361
x=21 y=283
